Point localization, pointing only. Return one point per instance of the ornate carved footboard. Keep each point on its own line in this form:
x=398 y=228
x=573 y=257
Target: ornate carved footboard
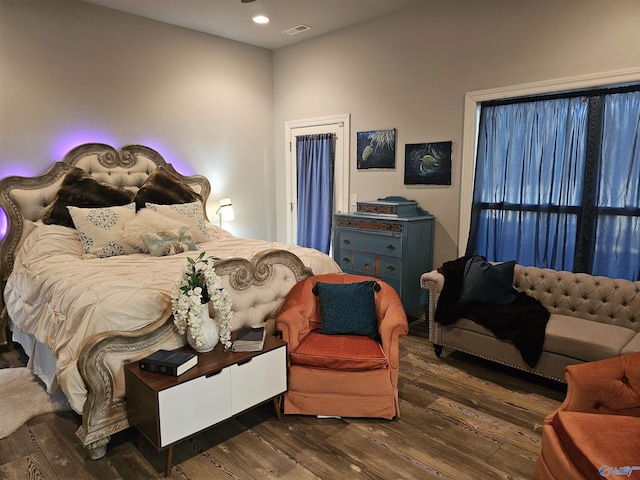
x=269 y=275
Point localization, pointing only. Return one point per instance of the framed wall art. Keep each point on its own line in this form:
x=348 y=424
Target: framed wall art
x=376 y=149
x=427 y=163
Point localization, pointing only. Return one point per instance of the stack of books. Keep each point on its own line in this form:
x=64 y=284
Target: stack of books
x=249 y=339
x=169 y=362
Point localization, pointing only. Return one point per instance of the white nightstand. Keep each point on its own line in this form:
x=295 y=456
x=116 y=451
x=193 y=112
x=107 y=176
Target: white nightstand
x=168 y=409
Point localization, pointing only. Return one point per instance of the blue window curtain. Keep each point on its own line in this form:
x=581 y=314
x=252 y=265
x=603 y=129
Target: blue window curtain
x=528 y=182
x=617 y=232
x=315 y=165
x=557 y=184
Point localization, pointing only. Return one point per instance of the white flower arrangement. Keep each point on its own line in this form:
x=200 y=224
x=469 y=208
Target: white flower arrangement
x=199 y=284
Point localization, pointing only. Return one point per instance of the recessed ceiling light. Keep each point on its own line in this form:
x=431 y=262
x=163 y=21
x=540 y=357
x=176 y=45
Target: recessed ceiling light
x=261 y=19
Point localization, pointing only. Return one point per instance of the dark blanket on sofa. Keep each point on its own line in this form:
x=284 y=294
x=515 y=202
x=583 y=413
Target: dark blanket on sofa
x=523 y=322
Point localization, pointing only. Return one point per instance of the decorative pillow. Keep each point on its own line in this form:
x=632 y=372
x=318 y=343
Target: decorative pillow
x=348 y=308
x=79 y=189
x=170 y=242
x=165 y=188
x=100 y=229
x=189 y=214
x=487 y=283
x=147 y=221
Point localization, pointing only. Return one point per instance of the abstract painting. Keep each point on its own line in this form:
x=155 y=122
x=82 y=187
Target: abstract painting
x=376 y=149
x=427 y=163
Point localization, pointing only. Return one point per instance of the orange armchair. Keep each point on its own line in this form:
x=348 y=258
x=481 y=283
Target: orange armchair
x=341 y=375
x=595 y=433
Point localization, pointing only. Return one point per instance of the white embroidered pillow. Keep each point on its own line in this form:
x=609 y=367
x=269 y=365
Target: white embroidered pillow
x=147 y=221
x=190 y=214
x=100 y=229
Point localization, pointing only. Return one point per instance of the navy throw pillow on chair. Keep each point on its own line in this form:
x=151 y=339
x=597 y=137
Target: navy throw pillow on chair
x=348 y=308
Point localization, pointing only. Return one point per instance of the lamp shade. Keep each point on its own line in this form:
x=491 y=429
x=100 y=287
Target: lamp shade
x=225 y=210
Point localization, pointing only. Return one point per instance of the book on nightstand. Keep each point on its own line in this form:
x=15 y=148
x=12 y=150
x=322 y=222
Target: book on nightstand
x=169 y=362
x=249 y=339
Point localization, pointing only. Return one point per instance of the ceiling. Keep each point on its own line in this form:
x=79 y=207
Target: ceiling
x=233 y=19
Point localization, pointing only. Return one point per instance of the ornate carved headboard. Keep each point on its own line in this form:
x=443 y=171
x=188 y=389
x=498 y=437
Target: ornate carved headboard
x=25 y=200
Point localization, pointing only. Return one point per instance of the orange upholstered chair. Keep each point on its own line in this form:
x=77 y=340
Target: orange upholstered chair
x=341 y=375
x=595 y=433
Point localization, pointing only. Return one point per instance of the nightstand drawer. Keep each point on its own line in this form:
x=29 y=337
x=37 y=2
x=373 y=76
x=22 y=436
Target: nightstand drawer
x=260 y=379
x=192 y=406
x=363 y=242
x=369 y=264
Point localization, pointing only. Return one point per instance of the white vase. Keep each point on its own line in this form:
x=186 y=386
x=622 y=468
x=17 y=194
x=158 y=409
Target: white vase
x=209 y=331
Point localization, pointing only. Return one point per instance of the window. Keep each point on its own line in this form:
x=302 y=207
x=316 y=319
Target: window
x=557 y=182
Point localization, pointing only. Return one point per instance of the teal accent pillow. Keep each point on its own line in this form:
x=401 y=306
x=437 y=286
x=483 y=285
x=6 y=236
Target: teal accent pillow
x=487 y=283
x=348 y=308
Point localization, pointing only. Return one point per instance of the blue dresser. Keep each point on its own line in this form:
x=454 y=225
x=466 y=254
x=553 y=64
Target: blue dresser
x=388 y=239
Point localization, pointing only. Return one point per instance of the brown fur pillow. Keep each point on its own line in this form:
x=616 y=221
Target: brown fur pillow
x=164 y=188
x=79 y=189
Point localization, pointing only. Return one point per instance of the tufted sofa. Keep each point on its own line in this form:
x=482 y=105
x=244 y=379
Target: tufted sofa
x=592 y=318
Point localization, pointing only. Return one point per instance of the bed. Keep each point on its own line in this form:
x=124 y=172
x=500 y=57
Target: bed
x=82 y=307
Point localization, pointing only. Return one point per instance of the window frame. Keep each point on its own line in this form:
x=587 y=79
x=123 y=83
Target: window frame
x=473 y=101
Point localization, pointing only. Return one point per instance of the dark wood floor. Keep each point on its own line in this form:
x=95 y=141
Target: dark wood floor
x=462 y=418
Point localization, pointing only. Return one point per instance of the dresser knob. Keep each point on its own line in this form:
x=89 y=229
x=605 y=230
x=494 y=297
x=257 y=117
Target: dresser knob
x=391 y=248
x=346 y=259
x=346 y=241
x=391 y=268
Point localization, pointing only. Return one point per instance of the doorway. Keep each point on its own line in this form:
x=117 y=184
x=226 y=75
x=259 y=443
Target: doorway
x=337 y=125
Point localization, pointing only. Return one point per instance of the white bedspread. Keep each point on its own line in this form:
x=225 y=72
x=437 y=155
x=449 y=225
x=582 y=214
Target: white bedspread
x=61 y=298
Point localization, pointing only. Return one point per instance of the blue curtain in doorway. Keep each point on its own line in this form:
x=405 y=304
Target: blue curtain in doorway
x=315 y=163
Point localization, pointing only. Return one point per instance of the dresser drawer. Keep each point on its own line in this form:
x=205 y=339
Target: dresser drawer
x=395 y=283
x=379 y=266
x=396 y=249
x=363 y=242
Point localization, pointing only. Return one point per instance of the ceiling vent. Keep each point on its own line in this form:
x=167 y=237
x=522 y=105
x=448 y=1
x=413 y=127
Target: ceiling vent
x=296 y=30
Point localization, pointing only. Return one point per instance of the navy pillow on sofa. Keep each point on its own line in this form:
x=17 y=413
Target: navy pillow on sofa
x=348 y=308
x=487 y=283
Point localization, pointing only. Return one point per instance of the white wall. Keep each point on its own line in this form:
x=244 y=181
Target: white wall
x=410 y=71
x=72 y=73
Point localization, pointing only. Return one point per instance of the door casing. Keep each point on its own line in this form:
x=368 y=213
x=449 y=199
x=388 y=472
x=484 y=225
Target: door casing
x=338 y=124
